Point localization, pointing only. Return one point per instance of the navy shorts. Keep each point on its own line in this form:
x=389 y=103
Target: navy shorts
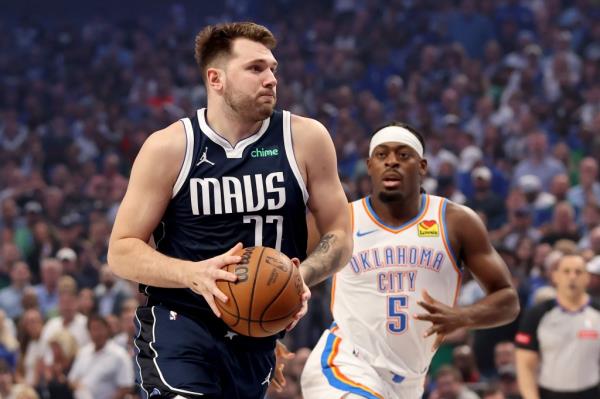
x=181 y=355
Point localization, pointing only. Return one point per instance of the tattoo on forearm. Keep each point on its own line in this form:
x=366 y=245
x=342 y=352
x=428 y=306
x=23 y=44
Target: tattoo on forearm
x=325 y=243
x=323 y=261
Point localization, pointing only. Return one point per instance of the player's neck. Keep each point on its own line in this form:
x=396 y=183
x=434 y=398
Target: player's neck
x=230 y=125
x=572 y=303
x=398 y=212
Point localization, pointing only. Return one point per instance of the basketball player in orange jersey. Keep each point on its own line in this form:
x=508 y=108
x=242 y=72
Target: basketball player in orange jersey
x=238 y=172
x=394 y=301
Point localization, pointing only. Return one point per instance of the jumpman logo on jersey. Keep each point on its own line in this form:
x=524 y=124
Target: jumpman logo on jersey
x=230 y=335
x=268 y=378
x=203 y=158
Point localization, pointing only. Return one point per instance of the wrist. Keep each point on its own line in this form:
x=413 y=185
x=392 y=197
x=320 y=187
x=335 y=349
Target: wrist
x=182 y=273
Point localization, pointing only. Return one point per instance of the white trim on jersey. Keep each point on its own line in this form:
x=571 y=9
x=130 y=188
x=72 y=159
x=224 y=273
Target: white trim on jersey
x=160 y=374
x=137 y=353
x=230 y=151
x=289 y=150
x=187 y=160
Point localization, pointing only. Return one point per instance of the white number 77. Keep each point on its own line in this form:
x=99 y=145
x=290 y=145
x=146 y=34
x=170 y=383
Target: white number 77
x=258 y=229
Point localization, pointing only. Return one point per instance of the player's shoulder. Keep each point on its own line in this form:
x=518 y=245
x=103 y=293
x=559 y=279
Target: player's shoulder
x=167 y=144
x=456 y=210
x=308 y=128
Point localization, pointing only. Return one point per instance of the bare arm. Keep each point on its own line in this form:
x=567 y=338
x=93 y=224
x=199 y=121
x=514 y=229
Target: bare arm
x=500 y=306
x=327 y=201
x=149 y=191
x=527 y=366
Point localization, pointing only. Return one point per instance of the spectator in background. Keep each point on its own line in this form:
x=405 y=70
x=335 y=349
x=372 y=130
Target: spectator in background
x=507 y=382
x=485 y=200
x=590 y=219
x=11 y=296
x=32 y=350
x=464 y=361
x=7 y=379
x=588 y=189
x=102 y=369
x=449 y=385
x=68 y=317
x=541 y=203
x=538 y=161
x=87 y=302
x=9 y=346
x=51 y=380
x=520 y=226
x=559 y=338
x=47 y=290
x=563 y=225
x=111 y=292
x=504 y=355
x=127 y=326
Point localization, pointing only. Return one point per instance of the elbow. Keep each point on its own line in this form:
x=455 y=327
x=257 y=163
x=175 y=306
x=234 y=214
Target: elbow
x=112 y=257
x=514 y=308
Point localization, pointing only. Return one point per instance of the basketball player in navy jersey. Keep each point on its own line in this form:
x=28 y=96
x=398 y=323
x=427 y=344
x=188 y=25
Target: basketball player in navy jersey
x=395 y=300
x=237 y=173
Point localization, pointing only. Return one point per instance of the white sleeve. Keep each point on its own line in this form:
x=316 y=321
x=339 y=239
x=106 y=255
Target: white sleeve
x=125 y=377
x=76 y=370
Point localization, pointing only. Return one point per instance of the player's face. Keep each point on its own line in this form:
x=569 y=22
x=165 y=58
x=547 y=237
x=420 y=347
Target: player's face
x=570 y=277
x=250 y=83
x=396 y=171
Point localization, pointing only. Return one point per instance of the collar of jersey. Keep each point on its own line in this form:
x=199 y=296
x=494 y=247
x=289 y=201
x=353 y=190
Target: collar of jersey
x=573 y=312
x=396 y=229
x=230 y=151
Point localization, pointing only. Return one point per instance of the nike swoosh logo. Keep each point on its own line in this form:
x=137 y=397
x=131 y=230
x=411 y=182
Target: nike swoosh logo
x=360 y=234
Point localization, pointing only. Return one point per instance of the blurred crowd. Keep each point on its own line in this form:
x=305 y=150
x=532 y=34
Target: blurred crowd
x=507 y=94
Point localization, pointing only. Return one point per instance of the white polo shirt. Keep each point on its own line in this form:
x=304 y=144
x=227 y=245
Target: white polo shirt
x=101 y=373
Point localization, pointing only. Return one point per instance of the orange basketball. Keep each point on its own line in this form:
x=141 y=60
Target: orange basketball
x=266 y=295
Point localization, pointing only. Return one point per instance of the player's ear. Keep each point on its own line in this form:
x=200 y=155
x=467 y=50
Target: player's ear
x=423 y=168
x=215 y=78
x=368 y=162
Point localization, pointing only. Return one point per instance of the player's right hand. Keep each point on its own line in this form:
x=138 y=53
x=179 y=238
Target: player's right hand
x=202 y=276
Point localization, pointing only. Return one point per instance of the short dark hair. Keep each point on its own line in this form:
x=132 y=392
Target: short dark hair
x=96 y=317
x=406 y=126
x=215 y=40
x=449 y=370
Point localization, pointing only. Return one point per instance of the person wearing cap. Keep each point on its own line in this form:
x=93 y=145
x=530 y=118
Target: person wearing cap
x=485 y=200
x=393 y=304
x=540 y=202
x=558 y=342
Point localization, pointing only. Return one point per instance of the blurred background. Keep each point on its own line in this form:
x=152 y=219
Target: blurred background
x=507 y=94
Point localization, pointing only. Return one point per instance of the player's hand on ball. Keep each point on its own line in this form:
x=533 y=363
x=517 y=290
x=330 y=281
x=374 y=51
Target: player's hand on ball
x=305 y=298
x=444 y=319
x=282 y=354
x=202 y=276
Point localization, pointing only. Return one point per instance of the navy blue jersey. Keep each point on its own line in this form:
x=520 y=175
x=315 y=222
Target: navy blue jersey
x=252 y=193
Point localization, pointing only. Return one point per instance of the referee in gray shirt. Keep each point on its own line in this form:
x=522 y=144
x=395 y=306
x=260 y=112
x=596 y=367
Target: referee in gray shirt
x=558 y=343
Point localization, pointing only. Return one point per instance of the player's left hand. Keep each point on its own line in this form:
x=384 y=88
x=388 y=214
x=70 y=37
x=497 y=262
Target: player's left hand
x=444 y=319
x=305 y=298
x=281 y=355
